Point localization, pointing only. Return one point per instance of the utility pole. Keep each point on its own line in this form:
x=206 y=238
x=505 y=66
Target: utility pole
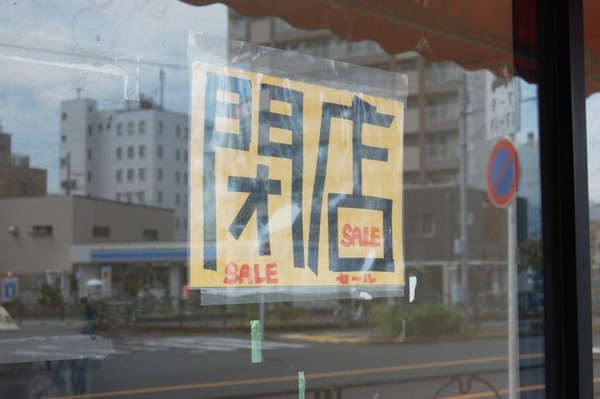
x=464 y=195
x=68 y=163
x=422 y=106
x=513 y=271
x=161 y=78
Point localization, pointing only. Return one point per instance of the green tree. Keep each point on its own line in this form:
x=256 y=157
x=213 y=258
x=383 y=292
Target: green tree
x=50 y=297
x=530 y=255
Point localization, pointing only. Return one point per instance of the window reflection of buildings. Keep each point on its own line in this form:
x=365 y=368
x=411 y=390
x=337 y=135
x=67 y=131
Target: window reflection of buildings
x=126 y=154
x=431 y=143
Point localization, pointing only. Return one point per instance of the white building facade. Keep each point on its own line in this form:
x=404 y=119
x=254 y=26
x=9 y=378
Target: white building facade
x=530 y=185
x=138 y=154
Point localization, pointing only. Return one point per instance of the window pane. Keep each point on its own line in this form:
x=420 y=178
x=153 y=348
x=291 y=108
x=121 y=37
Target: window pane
x=593 y=169
x=283 y=167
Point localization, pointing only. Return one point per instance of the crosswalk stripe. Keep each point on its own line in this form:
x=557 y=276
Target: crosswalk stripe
x=198 y=345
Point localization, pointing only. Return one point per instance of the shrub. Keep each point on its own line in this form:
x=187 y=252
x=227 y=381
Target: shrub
x=388 y=321
x=285 y=312
x=425 y=321
x=432 y=321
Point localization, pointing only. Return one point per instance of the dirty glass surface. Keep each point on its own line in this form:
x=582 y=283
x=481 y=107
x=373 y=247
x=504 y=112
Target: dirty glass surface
x=107 y=111
x=593 y=136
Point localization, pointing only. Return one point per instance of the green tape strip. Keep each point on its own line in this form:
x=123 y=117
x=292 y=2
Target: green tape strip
x=256 y=341
x=301 y=385
x=402 y=335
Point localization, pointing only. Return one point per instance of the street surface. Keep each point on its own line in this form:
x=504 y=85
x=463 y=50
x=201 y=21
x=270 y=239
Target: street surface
x=185 y=366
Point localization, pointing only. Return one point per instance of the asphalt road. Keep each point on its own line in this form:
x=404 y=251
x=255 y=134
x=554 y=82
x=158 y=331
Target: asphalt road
x=207 y=366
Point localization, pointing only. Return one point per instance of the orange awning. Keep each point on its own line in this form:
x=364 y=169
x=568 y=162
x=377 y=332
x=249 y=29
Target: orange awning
x=473 y=33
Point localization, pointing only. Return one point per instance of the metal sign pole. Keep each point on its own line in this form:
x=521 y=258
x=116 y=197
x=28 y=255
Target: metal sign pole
x=513 y=295
x=502 y=183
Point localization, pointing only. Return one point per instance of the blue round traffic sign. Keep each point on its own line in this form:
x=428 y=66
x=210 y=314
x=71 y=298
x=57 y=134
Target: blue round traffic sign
x=503 y=173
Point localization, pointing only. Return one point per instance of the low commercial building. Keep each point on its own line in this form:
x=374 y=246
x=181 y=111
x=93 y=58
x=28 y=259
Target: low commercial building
x=37 y=234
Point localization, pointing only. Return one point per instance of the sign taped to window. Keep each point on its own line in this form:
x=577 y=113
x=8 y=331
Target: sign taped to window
x=295 y=186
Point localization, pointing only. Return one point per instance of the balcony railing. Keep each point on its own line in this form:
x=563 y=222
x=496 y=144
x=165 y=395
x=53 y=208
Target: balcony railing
x=441 y=113
x=441 y=73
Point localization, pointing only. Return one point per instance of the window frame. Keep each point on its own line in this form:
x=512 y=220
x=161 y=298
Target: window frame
x=565 y=213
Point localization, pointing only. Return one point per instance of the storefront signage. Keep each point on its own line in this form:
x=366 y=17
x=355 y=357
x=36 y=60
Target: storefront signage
x=292 y=184
x=9 y=288
x=502 y=109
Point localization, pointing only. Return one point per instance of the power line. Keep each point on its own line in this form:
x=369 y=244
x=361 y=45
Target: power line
x=111 y=58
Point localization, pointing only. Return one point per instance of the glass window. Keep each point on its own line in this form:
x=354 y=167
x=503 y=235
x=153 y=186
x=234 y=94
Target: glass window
x=592 y=108
x=150 y=235
x=355 y=211
x=442 y=147
x=42 y=231
x=101 y=231
x=23 y=188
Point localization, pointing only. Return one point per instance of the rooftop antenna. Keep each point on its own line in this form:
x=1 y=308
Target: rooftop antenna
x=161 y=77
x=78 y=89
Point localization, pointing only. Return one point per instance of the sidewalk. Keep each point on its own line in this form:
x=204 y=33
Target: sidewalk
x=313 y=332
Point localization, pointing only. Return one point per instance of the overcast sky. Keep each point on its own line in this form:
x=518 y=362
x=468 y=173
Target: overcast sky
x=50 y=48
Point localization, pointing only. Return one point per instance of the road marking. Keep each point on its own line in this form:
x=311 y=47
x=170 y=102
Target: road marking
x=327 y=338
x=199 y=344
x=288 y=378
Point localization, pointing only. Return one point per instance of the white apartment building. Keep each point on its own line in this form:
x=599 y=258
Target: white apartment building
x=138 y=154
x=442 y=98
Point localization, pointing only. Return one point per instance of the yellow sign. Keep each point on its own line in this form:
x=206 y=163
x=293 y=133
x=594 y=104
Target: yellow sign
x=292 y=184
